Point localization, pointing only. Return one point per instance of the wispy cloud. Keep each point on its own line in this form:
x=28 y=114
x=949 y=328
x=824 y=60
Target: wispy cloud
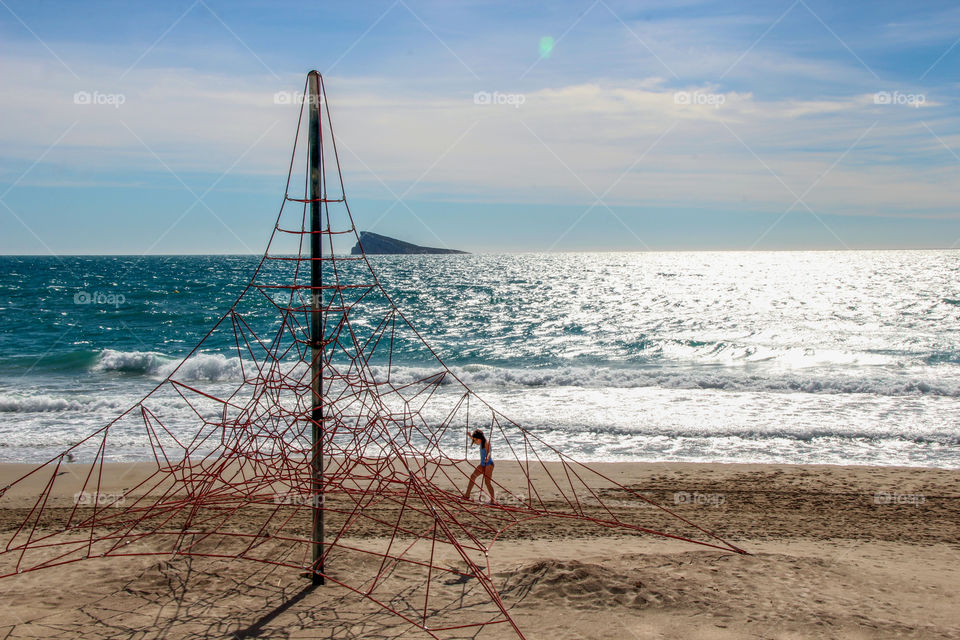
x=200 y=122
x=790 y=88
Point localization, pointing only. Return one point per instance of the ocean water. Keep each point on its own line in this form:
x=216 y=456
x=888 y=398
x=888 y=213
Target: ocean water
x=800 y=357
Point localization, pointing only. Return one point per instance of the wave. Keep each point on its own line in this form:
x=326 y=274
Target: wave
x=200 y=366
x=142 y=362
x=732 y=353
x=15 y=403
x=929 y=380
x=626 y=434
x=73 y=361
x=211 y=367
x=685 y=378
x=943 y=357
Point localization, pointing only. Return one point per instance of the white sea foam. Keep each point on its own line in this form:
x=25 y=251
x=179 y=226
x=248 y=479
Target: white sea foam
x=884 y=382
x=204 y=366
x=200 y=366
x=21 y=403
x=847 y=357
x=787 y=357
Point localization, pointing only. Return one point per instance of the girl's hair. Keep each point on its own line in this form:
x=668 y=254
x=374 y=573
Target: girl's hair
x=479 y=435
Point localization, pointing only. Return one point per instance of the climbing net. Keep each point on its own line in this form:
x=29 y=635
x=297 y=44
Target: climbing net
x=237 y=470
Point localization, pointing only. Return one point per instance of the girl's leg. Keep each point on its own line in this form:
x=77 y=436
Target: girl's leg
x=473 y=478
x=488 y=480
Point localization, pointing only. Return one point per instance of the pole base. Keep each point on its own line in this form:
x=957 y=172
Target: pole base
x=316 y=578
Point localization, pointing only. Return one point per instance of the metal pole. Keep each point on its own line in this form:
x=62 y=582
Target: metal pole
x=316 y=318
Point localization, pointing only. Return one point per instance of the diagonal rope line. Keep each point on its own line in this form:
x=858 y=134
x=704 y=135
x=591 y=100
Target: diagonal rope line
x=223 y=449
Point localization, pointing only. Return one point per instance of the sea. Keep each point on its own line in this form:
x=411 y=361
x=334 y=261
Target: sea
x=818 y=357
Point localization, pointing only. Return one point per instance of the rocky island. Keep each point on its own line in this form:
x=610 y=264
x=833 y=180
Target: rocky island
x=376 y=244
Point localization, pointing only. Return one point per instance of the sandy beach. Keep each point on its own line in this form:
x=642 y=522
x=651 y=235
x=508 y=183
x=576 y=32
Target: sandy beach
x=281 y=281
x=835 y=552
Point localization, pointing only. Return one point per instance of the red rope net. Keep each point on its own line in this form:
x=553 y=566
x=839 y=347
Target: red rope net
x=232 y=472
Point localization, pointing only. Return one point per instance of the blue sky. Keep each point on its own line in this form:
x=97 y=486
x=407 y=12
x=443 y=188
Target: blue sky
x=661 y=125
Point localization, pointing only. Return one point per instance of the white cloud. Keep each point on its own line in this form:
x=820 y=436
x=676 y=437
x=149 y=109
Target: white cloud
x=203 y=122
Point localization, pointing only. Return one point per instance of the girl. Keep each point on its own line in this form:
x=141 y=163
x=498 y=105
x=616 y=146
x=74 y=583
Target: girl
x=485 y=467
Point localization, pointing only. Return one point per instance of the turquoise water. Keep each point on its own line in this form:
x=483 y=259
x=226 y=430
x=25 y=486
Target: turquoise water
x=807 y=357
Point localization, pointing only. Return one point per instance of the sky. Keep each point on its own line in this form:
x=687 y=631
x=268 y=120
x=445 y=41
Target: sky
x=592 y=125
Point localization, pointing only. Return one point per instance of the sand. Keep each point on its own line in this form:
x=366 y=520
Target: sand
x=836 y=552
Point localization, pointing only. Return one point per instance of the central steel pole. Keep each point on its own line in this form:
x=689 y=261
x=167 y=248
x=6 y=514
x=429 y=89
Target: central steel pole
x=315 y=159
